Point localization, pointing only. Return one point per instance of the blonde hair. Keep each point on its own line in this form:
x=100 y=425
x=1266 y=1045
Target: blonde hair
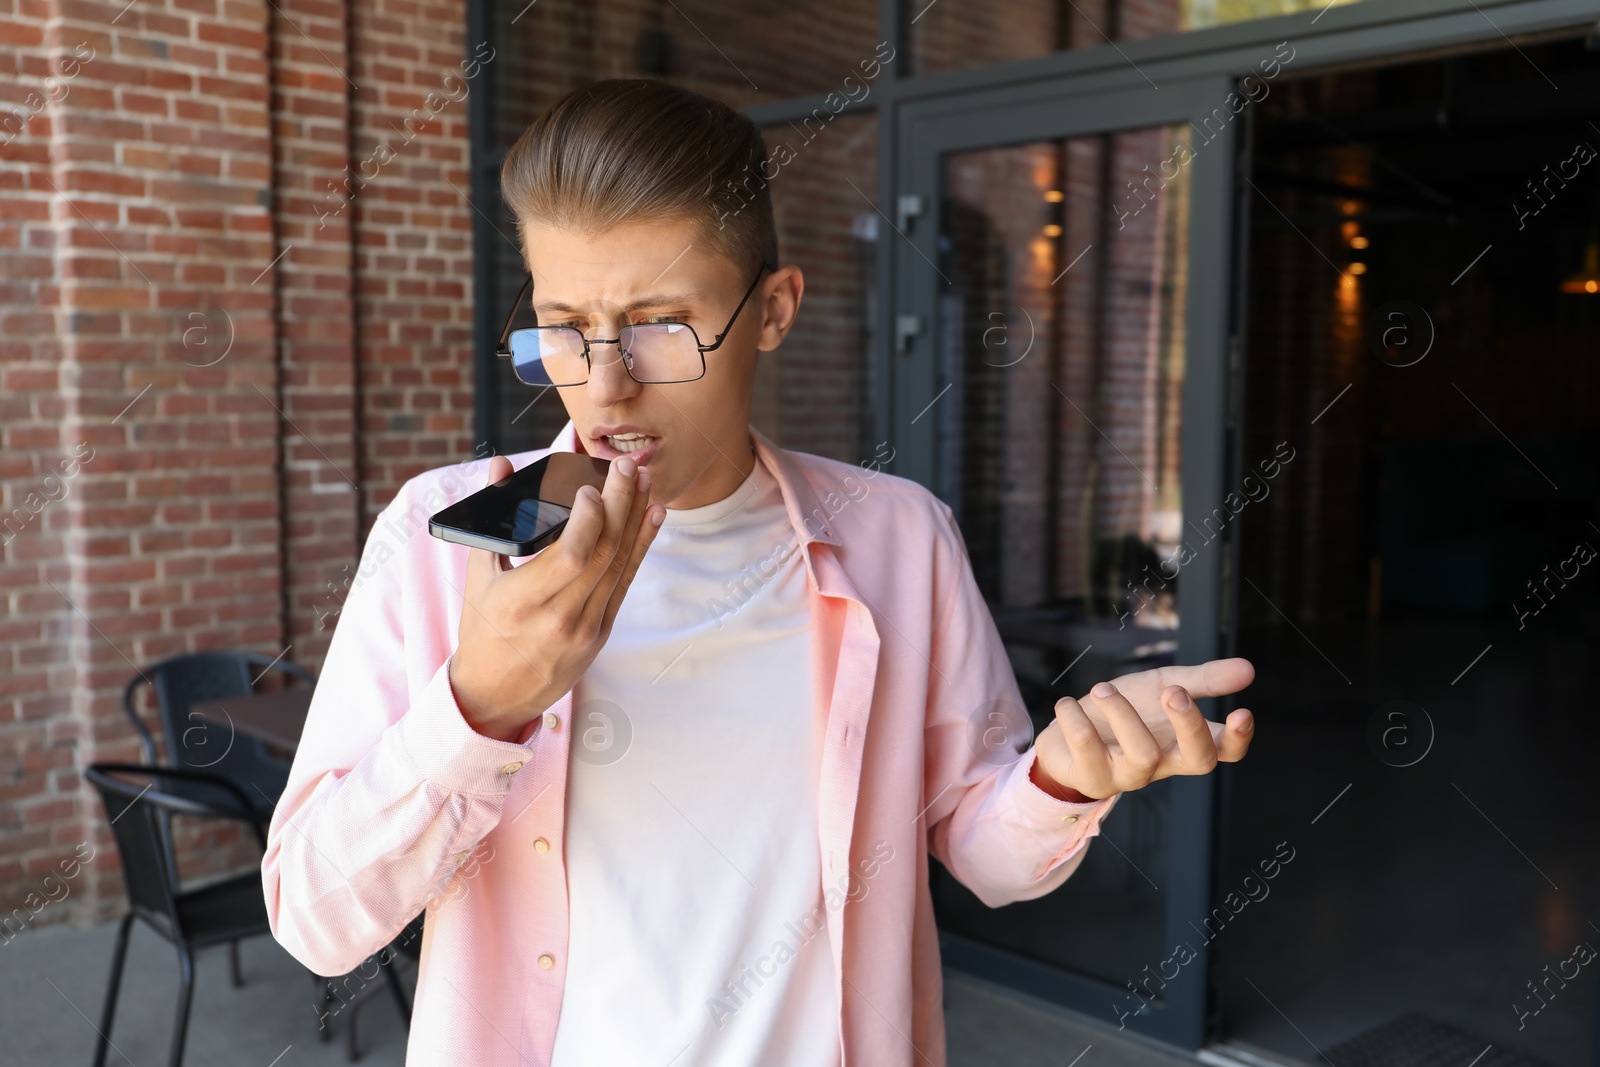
x=637 y=149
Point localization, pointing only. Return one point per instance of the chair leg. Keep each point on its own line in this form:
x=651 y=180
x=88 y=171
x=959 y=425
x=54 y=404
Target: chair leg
x=233 y=964
x=391 y=973
x=180 y=1026
x=108 y=1013
x=324 y=1027
x=352 y=1051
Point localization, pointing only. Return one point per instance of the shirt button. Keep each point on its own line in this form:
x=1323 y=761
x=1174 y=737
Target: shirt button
x=512 y=768
x=541 y=845
x=552 y=721
x=547 y=961
x=461 y=857
x=1069 y=819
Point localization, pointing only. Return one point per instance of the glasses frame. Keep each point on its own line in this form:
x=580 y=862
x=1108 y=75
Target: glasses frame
x=503 y=349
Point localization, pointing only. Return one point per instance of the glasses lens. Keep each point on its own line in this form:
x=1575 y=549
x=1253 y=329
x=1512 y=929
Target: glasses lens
x=663 y=352
x=548 y=355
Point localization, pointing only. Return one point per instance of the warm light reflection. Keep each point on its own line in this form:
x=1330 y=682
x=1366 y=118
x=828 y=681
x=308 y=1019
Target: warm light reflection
x=1586 y=280
x=1054 y=196
x=1349 y=293
x=1052 y=230
x=1358 y=268
x=1359 y=242
x=1041 y=257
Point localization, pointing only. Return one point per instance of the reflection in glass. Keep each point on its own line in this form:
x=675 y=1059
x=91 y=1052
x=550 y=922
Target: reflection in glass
x=1061 y=343
x=948 y=37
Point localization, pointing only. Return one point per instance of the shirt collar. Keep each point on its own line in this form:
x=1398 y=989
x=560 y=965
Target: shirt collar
x=806 y=513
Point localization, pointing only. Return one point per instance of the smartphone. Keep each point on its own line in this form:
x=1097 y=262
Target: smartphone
x=524 y=511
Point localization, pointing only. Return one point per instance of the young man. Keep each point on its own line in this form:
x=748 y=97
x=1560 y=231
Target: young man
x=665 y=790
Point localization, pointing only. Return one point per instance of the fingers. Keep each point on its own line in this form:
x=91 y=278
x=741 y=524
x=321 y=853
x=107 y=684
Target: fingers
x=1141 y=753
x=1196 y=746
x=1237 y=734
x=1091 y=759
x=609 y=589
x=644 y=536
x=594 y=533
x=499 y=467
x=483 y=565
x=1214 y=678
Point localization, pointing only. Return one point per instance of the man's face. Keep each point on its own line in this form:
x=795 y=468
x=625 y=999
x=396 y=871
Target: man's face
x=661 y=271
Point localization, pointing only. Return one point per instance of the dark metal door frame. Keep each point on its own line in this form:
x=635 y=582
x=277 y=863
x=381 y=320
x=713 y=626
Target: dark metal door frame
x=926 y=131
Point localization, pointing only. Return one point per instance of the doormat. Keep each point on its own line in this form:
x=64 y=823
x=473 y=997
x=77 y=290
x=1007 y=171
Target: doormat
x=1414 y=1040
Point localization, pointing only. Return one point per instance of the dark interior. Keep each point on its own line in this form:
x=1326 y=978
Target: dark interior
x=1416 y=593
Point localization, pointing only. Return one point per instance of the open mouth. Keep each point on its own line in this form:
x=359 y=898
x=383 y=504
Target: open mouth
x=629 y=442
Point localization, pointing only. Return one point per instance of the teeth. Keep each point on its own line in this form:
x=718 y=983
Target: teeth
x=631 y=442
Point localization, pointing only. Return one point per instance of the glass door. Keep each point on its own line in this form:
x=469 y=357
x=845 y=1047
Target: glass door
x=1060 y=383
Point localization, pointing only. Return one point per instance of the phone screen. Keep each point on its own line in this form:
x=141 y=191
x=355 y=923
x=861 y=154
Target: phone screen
x=523 y=511
x=534 y=518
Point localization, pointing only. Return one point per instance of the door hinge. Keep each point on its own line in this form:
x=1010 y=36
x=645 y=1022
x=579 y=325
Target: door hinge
x=906 y=327
x=908 y=208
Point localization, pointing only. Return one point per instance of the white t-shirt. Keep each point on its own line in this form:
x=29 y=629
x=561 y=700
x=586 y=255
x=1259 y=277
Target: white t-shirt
x=691 y=842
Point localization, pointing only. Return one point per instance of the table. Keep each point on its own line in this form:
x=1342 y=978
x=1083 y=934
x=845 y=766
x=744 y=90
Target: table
x=277 y=718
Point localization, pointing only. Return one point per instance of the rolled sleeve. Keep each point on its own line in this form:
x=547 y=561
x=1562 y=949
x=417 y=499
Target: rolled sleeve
x=1035 y=809
x=997 y=832
x=448 y=752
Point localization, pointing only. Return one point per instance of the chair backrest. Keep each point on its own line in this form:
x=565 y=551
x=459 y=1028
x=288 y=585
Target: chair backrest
x=140 y=803
x=184 y=681
x=140 y=825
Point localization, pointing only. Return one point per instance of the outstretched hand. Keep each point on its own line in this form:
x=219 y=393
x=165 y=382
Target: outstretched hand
x=1140 y=728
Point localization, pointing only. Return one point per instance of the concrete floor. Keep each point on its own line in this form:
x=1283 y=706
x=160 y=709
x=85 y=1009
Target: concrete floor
x=52 y=982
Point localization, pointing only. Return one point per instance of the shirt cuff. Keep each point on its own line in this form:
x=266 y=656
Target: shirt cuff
x=447 y=751
x=1039 y=810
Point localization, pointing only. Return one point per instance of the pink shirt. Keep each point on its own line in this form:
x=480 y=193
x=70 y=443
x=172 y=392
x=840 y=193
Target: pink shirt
x=396 y=805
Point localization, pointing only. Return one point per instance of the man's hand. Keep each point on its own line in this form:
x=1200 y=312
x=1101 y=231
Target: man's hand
x=1140 y=728
x=529 y=632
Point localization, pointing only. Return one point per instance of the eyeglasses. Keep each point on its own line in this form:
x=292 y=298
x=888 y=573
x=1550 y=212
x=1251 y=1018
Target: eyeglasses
x=653 y=352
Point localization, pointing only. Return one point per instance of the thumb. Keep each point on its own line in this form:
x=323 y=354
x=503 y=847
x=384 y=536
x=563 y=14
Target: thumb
x=483 y=565
x=499 y=467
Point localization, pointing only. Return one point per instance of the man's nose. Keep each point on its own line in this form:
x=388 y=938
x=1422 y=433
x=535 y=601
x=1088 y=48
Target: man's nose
x=609 y=380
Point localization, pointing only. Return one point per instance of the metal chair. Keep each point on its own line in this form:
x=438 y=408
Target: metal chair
x=183 y=681
x=407 y=943
x=224 y=911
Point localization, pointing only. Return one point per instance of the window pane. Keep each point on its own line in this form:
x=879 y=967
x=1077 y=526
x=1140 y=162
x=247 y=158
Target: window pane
x=1061 y=363
x=950 y=35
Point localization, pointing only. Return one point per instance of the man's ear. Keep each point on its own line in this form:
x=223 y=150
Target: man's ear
x=779 y=296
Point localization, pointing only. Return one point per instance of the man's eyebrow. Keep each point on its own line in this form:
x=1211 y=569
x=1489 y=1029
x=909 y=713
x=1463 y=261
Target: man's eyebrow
x=653 y=300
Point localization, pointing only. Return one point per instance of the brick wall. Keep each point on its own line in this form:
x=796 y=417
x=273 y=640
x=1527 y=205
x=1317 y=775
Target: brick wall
x=220 y=355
